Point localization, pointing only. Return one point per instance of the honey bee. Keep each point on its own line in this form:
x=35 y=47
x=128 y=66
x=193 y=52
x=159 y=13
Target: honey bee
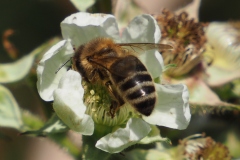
x=102 y=61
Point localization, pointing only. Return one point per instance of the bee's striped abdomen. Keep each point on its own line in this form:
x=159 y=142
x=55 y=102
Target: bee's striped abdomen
x=137 y=87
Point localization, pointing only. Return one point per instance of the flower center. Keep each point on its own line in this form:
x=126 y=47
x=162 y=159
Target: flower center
x=187 y=38
x=98 y=102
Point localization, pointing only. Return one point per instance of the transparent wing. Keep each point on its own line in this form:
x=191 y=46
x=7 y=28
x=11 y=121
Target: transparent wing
x=145 y=46
x=122 y=66
x=119 y=66
x=127 y=66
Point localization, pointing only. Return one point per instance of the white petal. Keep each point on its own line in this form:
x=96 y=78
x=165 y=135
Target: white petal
x=224 y=37
x=153 y=62
x=82 y=5
x=172 y=108
x=68 y=104
x=51 y=61
x=82 y=27
x=115 y=142
x=227 y=41
x=142 y=29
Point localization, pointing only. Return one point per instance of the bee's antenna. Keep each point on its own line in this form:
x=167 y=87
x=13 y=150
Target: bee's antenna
x=62 y=65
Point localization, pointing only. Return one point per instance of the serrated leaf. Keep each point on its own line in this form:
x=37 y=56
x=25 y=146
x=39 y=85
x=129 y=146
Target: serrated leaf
x=12 y=72
x=10 y=115
x=83 y=5
x=54 y=125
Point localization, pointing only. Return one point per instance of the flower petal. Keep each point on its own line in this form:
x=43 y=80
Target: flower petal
x=153 y=62
x=115 y=142
x=68 y=104
x=144 y=29
x=172 y=108
x=82 y=27
x=47 y=78
x=224 y=37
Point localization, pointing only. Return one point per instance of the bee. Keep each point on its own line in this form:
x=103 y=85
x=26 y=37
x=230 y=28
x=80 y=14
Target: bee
x=116 y=66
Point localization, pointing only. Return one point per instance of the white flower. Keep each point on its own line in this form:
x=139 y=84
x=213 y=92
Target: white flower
x=172 y=109
x=224 y=38
x=224 y=48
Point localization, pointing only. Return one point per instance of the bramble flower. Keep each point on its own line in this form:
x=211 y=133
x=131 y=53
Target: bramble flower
x=84 y=108
x=193 y=64
x=224 y=48
x=200 y=147
x=187 y=38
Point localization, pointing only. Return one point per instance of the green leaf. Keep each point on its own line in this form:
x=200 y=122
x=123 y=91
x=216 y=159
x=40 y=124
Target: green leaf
x=137 y=154
x=154 y=154
x=12 y=72
x=236 y=88
x=31 y=121
x=15 y=71
x=154 y=136
x=232 y=141
x=83 y=5
x=10 y=115
x=141 y=154
x=226 y=92
x=54 y=125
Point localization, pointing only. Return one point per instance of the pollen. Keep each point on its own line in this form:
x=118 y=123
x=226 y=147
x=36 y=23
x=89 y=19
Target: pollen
x=98 y=102
x=92 y=92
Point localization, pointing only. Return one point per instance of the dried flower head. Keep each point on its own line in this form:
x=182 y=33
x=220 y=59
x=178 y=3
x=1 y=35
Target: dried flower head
x=200 y=147
x=187 y=38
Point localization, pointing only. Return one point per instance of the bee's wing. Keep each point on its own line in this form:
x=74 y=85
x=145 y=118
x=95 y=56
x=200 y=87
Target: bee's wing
x=120 y=66
x=145 y=46
x=126 y=67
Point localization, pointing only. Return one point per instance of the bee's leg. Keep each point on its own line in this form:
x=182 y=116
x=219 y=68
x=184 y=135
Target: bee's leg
x=113 y=108
x=117 y=101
